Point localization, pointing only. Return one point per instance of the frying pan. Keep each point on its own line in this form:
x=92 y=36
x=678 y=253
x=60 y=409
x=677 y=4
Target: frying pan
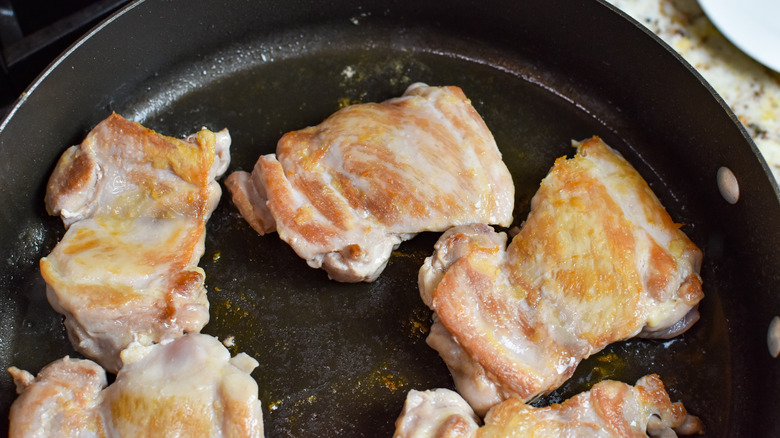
x=338 y=359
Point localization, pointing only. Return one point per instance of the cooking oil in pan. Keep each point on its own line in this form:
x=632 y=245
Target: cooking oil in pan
x=338 y=359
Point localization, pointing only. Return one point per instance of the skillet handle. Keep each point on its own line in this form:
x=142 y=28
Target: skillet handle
x=16 y=47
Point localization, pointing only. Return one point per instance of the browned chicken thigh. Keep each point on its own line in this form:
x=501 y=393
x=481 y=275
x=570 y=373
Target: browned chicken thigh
x=347 y=192
x=135 y=204
x=609 y=409
x=187 y=387
x=598 y=260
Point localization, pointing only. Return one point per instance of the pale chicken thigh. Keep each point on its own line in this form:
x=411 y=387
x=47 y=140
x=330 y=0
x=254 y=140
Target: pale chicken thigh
x=609 y=409
x=135 y=204
x=598 y=260
x=347 y=192
x=188 y=387
x=438 y=413
x=62 y=401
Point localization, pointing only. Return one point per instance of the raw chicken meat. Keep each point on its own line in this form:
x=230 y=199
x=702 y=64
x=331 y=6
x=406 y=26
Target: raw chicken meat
x=347 y=192
x=135 y=204
x=598 y=260
x=187 y=387
x=609 y=409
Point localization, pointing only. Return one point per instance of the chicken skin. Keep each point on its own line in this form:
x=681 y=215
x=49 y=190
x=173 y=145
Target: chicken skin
x=135 y=205
x=438 y=413
x=598 y=260
x=61 y=401
x=344 y=194
x=609 y=409
x=189 y=387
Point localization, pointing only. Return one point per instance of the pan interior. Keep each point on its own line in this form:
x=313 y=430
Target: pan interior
x=338 y=359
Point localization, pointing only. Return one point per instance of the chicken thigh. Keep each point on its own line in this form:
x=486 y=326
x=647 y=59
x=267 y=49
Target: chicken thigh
x=188 y=387
x=609 y=409
x=135 y=205
x=347 y=192
x=598 y=260
x=438 y=413
x=62 y=401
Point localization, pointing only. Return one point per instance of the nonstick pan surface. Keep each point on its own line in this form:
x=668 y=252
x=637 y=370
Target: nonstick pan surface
x=338 y=359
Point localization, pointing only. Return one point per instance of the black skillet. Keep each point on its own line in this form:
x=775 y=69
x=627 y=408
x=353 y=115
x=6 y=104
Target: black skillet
x=336 y=359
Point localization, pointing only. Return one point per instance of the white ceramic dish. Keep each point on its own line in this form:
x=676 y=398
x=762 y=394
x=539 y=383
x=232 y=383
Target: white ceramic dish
x=752 y=25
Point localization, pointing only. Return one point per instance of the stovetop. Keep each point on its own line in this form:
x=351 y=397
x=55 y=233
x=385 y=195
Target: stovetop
x=34 y=32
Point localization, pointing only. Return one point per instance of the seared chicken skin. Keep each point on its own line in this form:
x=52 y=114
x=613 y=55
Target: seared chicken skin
x=135 y=204
x=598 y=260
x=188 y=387
x=347 y=192
x=609 y=409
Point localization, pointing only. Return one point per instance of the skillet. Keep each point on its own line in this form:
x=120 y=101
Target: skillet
x=338 y=359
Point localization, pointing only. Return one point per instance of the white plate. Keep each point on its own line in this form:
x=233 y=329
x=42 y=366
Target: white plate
x=752 y=25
